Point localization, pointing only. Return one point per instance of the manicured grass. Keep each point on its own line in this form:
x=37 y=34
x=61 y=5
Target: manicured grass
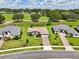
x=73 y=41
x=8 y=17
x=34 y=41
x=12 y=44
x=44 y=18
x=27 y=16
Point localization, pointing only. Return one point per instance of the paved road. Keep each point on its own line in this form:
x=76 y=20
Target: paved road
x=46 y=42
x=68 y=47
x=43 y=55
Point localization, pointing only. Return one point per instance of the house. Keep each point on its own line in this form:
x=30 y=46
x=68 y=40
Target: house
x=11 y=32
x=38 y=31
x=66 y=29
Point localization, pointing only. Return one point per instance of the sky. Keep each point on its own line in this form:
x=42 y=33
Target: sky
x=43 y=4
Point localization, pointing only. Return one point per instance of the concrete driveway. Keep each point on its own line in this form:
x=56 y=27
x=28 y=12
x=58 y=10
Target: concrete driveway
x=66 y=44
x=46 y=42
x=1 y=42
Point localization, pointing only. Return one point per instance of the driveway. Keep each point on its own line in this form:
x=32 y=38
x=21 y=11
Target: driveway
x=66 y=44
x=46 y=42
x=1 y=42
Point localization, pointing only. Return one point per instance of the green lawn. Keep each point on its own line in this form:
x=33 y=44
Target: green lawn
x=8 y=17
x=44 y=18
x=34 y=41
x=73 y=41
x=27 y=16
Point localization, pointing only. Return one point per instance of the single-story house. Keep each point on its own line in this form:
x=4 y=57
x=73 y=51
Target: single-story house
x=66 y=29
x=36 y=31
x=10 y=31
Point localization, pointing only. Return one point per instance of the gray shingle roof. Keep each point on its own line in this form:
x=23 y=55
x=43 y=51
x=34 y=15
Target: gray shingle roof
x=12 y=29
x=66 y=28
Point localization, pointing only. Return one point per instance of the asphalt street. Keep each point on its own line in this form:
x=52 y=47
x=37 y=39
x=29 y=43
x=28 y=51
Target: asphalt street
x=43 y=55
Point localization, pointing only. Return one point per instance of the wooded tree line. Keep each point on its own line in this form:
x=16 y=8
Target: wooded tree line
x=54 y=15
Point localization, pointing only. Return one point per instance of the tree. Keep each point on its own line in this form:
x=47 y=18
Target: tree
x=70 y=16
x=35 y=17
x=18 y=17
x=2 y=18
x=55 y=16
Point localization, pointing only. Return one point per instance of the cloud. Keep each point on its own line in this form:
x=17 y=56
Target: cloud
x=2 y=1
x=52 y=4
